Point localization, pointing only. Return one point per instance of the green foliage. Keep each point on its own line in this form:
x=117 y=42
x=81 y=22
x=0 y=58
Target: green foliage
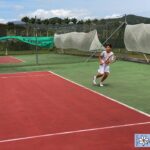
x=25 y=19
x=80 y=22
x=74 y=20
x=66 y=21
x=88 y=22
x=32 y=21
x=3 y=30
x=46 y=21
x=10 y=25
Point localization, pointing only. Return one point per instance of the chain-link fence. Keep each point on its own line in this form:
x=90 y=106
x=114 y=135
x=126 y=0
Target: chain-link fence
x=26 y=51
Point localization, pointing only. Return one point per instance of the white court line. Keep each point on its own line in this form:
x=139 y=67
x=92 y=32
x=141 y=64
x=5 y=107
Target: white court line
x=25 y=72
x=23 y=76
x=141 y=112
x=72 y=132
x=16 y=58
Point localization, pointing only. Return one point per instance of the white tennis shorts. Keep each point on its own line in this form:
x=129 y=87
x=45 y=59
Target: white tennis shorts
x=104 y=68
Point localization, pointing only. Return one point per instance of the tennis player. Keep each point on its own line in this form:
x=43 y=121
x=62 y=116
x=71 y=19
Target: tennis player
x=104 y=68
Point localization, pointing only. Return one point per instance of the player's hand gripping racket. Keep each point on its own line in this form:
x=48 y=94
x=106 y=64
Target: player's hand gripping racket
x=111 y=59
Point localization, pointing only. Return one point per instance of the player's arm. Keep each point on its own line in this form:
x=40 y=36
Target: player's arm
x=100 y=59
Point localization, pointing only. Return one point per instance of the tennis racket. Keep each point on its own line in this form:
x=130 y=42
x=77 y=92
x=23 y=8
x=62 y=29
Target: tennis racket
x=111 y=59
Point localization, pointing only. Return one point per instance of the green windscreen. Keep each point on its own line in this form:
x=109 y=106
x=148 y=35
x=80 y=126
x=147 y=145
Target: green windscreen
x=47 y=42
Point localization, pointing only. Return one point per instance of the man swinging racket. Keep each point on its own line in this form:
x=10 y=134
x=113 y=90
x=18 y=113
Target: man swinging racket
x=105 y=58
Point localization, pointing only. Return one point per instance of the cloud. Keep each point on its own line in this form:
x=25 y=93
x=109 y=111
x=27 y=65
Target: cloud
x=113 y=16
x=3 y=21
x=89 y=17
x=62 y=13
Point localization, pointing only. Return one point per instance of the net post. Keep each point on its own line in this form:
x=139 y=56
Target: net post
x=36 y=48
x=62 y=50
x=146 y=58
x=6 y=50
x=125 y=19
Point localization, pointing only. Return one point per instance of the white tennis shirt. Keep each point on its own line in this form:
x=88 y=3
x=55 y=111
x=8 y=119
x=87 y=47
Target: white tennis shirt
x=106 y=55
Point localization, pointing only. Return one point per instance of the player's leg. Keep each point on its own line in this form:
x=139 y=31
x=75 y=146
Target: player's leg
x=105 y=76
x=99 y=74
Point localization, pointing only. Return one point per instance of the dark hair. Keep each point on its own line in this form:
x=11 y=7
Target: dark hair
x=108 y=44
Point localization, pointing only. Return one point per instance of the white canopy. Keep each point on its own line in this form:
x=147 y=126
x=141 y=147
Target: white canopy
x=78 y=40
x=137 y=38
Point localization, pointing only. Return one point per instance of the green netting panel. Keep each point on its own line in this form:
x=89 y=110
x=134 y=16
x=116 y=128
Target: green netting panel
x=39 y=41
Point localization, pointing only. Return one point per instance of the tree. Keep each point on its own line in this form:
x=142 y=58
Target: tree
x=103 y=21
x=88 y=22
x=95 y=21
x=80 y=22
x=59 y=20
x=11 y=26
x=32 y=21
x=46 y=22
x=38 y=21
x=3 y=30
x=52 y=21
x=66 y=20
x=74 y=20
x=26 y=20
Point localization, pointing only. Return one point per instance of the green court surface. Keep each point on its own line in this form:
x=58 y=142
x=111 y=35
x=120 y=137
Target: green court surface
x=128 y=83
x=49 y=58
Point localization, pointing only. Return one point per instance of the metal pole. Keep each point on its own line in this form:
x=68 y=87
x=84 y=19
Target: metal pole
x=146 y=58
x=36 y=48
x=106 y=30
x=125 y=19
x=106 y=40
x=6 y=50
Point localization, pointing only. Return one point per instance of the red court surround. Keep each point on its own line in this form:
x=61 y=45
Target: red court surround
x=40 y=103
x=9 y=60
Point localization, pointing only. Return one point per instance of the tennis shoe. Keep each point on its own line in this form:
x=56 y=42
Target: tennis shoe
x=101 y=84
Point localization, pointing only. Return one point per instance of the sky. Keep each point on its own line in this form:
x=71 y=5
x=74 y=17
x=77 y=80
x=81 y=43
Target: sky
x=11 y=10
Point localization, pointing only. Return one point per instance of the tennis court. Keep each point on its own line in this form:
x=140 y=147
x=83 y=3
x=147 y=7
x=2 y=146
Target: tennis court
x=42 y=110
x=9 y=60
